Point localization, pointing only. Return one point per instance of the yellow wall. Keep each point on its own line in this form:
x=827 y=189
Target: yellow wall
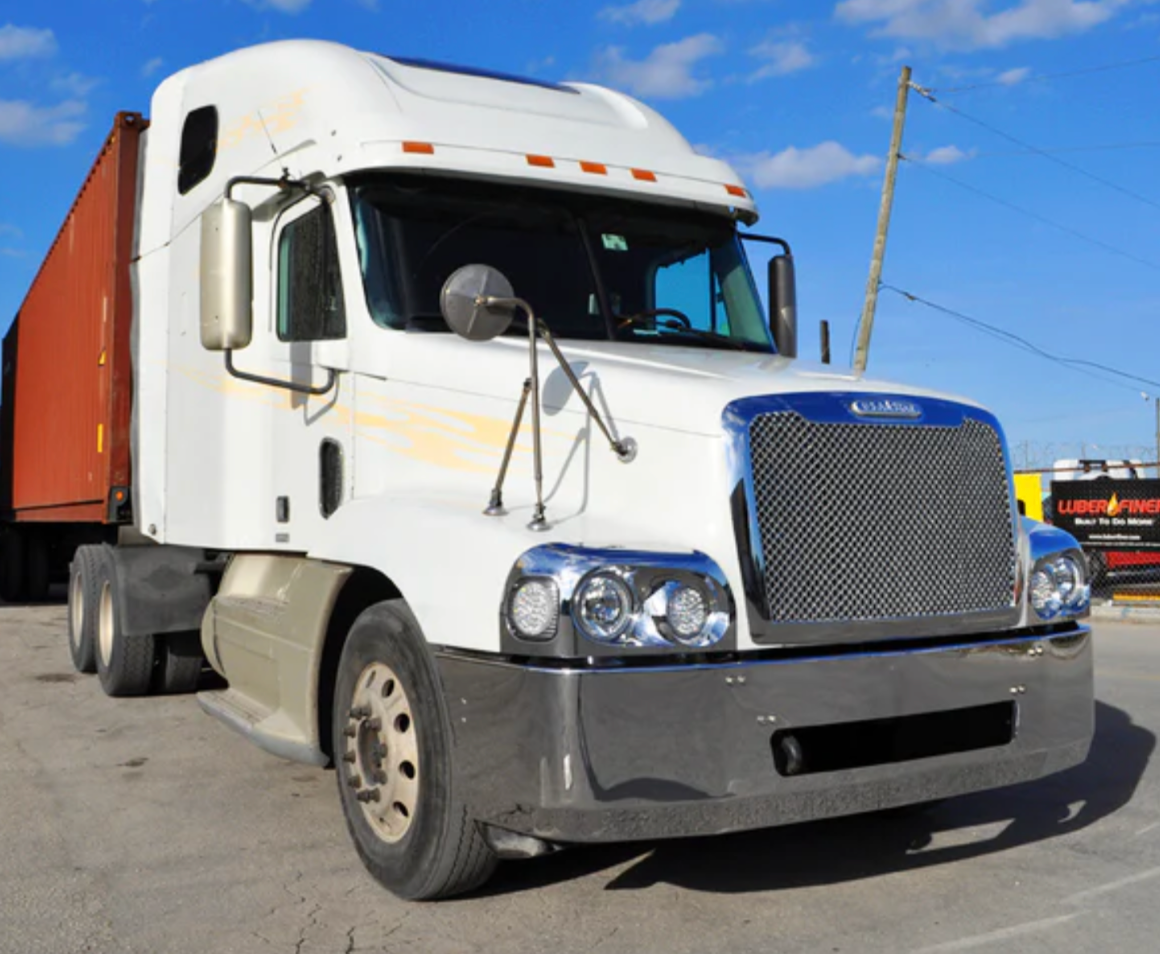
x=1029 y=491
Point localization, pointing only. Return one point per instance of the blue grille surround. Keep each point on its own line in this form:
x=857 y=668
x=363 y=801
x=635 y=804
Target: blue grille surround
x=864 y=516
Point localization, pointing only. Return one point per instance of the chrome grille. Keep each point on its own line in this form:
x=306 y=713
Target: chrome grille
x=863 y=522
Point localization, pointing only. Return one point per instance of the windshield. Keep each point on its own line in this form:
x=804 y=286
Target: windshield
x=592 y=267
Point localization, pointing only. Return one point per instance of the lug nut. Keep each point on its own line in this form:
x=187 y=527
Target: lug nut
x=355 y=781
x=370 y=795
x=373 y=725
x=348 y=756
x=360 y=712
x=350 y=731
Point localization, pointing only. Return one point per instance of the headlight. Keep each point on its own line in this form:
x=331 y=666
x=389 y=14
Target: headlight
x=1057 y=586
x=533 y=608
x=686 y=611
x=603 y=607
x=580 y=601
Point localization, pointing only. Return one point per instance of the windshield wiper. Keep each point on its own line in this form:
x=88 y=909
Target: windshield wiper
x=704 y=335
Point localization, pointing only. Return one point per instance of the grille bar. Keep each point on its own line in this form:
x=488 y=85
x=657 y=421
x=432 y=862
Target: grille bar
x=862 y=522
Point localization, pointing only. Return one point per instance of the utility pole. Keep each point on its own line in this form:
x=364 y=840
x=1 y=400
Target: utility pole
x=871 y=303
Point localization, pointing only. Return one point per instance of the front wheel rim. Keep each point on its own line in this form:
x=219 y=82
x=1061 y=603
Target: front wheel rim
x=381 y=752
x=105 y=624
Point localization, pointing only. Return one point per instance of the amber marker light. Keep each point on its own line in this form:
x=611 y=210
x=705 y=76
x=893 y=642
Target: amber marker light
x=737 y=190
x=424 y=148
x=544 y=162
x=644 y=175
x=597 y=168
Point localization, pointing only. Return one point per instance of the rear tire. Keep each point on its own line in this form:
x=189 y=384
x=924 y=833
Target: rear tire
x=82 y=610
x=393 y=746
x=11 y=565
x=179 y=663
x=124 y=663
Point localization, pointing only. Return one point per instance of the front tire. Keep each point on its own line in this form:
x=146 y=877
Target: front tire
x=82 y=610
x=393 y=748
x=124 y=663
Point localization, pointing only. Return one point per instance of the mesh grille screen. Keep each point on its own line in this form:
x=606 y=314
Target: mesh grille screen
x=872 y=522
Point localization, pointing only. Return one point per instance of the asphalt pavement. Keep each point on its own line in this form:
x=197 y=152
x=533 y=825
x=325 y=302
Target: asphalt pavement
x=145 y=826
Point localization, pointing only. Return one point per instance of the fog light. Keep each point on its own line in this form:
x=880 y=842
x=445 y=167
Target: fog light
x=602 y=607
x=533 y=608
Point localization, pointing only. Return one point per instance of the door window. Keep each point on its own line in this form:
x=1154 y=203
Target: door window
x=310 y=304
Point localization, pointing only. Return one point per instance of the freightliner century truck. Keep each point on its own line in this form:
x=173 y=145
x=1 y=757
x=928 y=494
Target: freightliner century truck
x=438 y=410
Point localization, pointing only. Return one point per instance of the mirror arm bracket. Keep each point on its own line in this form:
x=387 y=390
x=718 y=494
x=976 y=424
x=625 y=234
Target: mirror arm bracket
x=332 y=378
x=284 y=184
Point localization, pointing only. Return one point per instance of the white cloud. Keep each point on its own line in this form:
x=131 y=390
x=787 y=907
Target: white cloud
x=946 y=155
x=781 y=57
x=643 y=11
x=9 y=229
x=152 y=66
x=24 y=124
x=74 y=85
x=666 y=73
x=1011 y=77
x=969 y=24
x=794 y=168
x=17 y=43
x=285 y=6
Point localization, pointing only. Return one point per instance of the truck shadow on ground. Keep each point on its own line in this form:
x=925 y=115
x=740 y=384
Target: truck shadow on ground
x=866 y=846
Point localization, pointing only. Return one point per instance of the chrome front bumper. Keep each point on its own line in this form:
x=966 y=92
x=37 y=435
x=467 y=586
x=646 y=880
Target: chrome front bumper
x=590 y=755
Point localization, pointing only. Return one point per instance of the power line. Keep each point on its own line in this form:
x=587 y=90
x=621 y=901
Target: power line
x=926 y=94
x=1107 y=147
x=1076 y=364
x=1043 y=77
x=1075 y=233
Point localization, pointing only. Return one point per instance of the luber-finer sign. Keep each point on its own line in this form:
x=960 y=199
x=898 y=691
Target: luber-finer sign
x=1112 y=514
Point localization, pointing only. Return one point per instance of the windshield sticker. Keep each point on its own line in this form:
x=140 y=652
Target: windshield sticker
x=614 y=243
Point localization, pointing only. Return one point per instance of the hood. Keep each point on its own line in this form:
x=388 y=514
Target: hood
x=679 y=388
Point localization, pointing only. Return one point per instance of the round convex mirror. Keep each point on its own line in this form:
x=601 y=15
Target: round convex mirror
x=459 y=302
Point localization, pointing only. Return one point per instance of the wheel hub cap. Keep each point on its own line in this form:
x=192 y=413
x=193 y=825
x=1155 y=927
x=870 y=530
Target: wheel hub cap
x=381 y=757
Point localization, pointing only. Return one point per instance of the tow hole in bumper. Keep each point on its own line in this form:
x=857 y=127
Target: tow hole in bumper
x=850 y=745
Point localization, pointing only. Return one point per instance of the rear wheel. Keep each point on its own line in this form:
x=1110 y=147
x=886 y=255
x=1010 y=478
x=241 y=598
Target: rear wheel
x=179 y=663
x=393 y=747
x=124 y=663
x=82 y=610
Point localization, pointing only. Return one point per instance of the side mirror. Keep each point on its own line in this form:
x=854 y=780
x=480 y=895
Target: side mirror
x=463 y=302
x=783 y=305
x=226 y=276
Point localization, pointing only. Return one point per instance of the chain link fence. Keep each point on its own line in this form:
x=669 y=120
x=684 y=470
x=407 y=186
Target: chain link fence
x=1112 y=506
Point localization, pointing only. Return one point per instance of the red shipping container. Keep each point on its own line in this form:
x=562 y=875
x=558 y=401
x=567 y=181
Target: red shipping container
x=69 y=422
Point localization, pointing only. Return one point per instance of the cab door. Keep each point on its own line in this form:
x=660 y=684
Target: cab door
x=311 y=458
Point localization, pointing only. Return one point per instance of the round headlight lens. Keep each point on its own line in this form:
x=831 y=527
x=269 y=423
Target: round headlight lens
x=602 y=607
x=686 y=612
x=1044 y=593
x=533 y=608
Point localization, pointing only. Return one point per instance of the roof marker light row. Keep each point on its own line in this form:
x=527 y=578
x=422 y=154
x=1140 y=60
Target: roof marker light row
x=594 y=168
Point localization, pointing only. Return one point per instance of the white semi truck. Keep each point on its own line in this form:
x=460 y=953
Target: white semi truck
x=460 y=435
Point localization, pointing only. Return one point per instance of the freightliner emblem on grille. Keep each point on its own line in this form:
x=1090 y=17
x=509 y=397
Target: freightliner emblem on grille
x=885 y=407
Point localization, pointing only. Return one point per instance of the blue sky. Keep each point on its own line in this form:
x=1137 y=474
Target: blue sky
x=798 y=96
